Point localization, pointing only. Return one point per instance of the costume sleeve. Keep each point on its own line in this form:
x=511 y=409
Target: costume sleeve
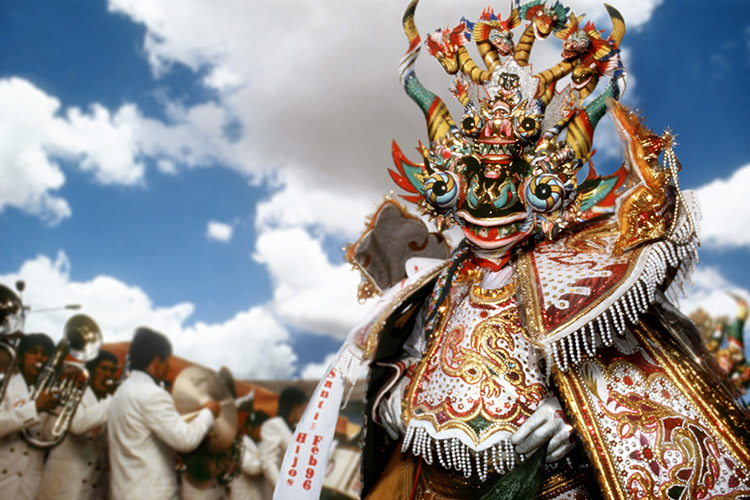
x=271 y=451
x=89 y=416
x=251 y=460
x=162 y=418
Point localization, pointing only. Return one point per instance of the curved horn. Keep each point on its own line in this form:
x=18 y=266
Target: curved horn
x=439 y=121
x=618 y=24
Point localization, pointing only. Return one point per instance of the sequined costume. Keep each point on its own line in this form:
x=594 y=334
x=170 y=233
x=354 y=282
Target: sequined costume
x=561 y=291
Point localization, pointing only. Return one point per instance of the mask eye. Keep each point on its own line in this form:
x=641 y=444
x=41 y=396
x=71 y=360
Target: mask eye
x=472 y=123
x=526 y=128
x=544 y=193
x=441 y=189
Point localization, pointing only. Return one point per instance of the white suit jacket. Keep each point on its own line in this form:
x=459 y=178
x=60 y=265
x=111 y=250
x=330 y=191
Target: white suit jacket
x=250 y=484
x=78 y=468
x=275 y=437
x=20 y=464
x=144 y=431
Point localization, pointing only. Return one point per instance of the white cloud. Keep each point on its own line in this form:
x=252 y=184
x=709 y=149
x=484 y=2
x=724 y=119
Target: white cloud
x=710 y=292
x=34 y=132
x=259 y=342
x=310 y=292
x=308 y=202
x=316 y=371
x=219 y=231
x=253 y=344
x=726 y=214
x=296 y=107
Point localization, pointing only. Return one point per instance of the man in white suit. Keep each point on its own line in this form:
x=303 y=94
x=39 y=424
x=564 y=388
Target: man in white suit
x=251 y=484
x=276 y=433
x=144 y=428
x=21 y=465
x=78 y=468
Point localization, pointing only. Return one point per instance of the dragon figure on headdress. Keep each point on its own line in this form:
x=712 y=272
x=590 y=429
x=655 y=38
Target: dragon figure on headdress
x=541 y=356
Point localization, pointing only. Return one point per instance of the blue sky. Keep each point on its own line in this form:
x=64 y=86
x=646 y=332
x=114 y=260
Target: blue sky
x=197 y=166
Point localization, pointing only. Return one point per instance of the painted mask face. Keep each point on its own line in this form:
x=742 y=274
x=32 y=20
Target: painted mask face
x=477 y=174
x=503 y=172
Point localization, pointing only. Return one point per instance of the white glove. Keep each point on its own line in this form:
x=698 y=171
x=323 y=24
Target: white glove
x=389 y=410
x=547 y=423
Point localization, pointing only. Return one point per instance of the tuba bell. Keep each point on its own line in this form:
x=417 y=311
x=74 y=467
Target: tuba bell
x=12 y=316
x=82 y=339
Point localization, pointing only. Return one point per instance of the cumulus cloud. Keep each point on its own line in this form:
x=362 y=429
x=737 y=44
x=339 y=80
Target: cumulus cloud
x=316 y=371
x=710 y=291
x=219 y=231
x=35 y=134
x=295 y=107
x=259 y=342
x=719 y=198
x=308 y=202
x=310 y=292
x=300 y=108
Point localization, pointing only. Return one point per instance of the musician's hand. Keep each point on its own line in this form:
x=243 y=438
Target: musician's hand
x=46 y=401
x=214 y=406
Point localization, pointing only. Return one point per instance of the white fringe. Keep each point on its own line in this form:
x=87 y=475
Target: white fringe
x=668 y=254
x=454 y=454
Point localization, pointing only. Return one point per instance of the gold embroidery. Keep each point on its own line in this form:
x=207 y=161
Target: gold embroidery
x=489 y=360
x=486 y=362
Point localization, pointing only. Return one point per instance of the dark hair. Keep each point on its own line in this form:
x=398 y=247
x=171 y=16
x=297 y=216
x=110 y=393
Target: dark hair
x=256 y=418
x=103 y=356
x=148 y=344
x=33 y=339
x=289 y=398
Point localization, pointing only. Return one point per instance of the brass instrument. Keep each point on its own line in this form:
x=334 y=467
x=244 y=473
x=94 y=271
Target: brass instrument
x=12 y=315
x=67 y=380
x=218 y=456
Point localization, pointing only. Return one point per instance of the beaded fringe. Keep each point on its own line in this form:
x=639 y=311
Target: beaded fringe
x=453 y=454
x=679 y=253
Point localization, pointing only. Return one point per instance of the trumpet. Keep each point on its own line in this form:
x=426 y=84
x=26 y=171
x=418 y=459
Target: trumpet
x=67 y=380
x=12 y=316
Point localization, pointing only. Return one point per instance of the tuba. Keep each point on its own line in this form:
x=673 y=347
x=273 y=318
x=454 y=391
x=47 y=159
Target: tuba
x=82 y=339
x=218 y=456
x=12 y=315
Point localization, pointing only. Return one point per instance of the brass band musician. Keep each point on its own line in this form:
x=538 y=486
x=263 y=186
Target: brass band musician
x=78 y=468
x=20 y=464
x=144 y=428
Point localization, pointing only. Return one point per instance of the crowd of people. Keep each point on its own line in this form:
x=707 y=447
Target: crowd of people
x=126 y=438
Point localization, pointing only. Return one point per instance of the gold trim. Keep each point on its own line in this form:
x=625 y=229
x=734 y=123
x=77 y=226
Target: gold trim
x=527 y=298
x=707 y=398
x=484 y=296
x=559 y=483
x=587 y=428
x=434 y=346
